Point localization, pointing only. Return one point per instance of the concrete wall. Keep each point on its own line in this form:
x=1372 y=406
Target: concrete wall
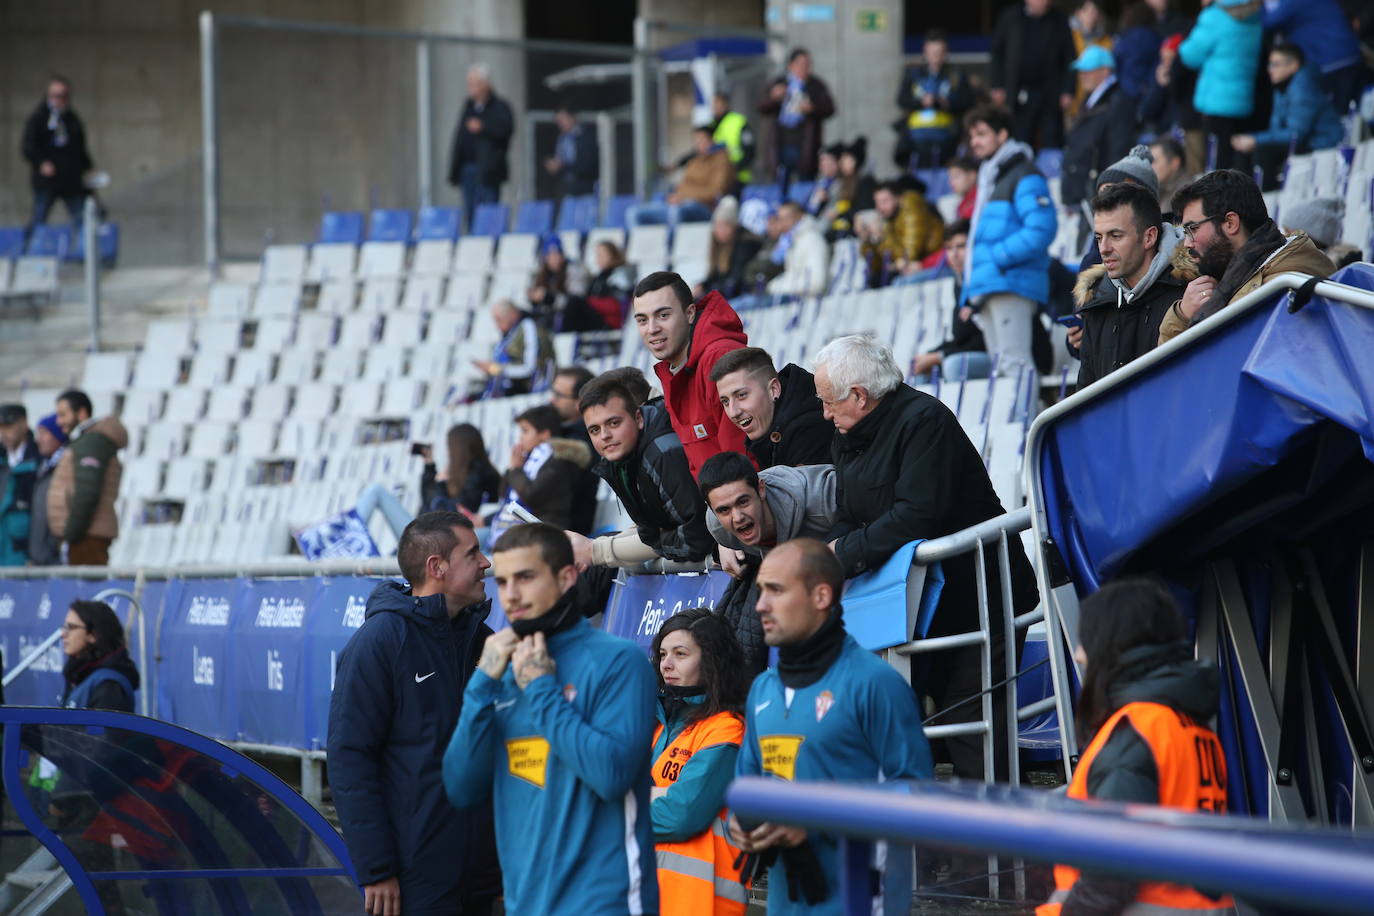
x=301 y=116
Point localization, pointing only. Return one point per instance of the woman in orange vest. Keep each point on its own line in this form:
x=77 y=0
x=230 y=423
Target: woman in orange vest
x=702 y=686
x=1145 y=702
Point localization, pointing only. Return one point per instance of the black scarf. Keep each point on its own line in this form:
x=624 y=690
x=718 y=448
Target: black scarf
x=1266 y=240
x=558 y=618
x=802 y=664
x=674 y=699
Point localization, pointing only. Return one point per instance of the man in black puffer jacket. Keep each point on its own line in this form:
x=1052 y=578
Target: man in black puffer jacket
x=397 y=697
x=778 y=411
x=905 y=470
x=644 y=462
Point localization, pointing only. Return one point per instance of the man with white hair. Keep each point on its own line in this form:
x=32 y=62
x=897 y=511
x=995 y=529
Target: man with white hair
x=478 y=164
x=905 y=470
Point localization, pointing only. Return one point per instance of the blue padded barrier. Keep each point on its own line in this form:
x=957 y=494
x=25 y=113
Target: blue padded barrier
x=50 y=241
x=534 y=216
x=11 y=241
x=390 y=226
x=439 y=224
x=341 y=226
x=490 y=220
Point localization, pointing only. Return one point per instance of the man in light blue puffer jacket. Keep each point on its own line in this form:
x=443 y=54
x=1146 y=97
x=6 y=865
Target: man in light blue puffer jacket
x=1224 y=46
x=1007 y=274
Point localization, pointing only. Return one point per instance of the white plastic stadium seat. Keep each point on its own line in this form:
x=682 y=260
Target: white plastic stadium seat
x=283 y=264
x=185 y=404
x=402 y=329
x=272 y=335
x=6 y=271
x=465 y=290
x=142 y=405
x=474 y=254
x=423 y=293
x=106 y=372
x=360 y=398
x=229 y=300
x=331 y=261
x=615 y=236
x=255 y=438
x=277 y=300
x=509 y=284
x=358 y=331
x=227 y=404
x=35 y=276
x=315 y=330
x=433 y=258
x=270 y=402
x=382 y=259
x=647 y=248
x=187 y=476
x=380 y=294
x=252 y=367
x=216 y=335
x=317 y=400
x=156 y=369
x=168 y=335
x=517 y=251
x=164 y=441
x=341 y=364
x=385 y=362
x=691 y=242
x=338 y=296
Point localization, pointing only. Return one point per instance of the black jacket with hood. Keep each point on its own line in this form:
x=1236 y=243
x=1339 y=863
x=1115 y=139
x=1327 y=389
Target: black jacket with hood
x=1121 y=323
x=397 y=695
x=1124 y=769
x=800 y=434
x=553 y=490
x=656 y=488
x=908 y=471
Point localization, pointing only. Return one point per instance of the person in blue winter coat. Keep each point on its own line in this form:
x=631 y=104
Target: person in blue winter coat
x=1302 y=118
x=556 y=729
x=830 y=711
x=1137 y=50
x=397 y=695
x=1322 y=30
x=1224 y=46
x=1007 y=273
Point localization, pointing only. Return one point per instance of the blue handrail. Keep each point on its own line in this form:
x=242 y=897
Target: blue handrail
x=1313 y=870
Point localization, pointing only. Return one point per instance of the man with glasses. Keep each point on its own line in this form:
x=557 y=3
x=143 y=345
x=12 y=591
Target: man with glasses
x=55 y=146
x=567 y=383
x=1235 y=246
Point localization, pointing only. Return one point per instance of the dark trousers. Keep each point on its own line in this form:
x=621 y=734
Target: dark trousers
x=789 y=161
x=1037 y=119
x=475 y=192
x=89 y=551
x=1219 y=133
x=44 y=200
x=1344 y=86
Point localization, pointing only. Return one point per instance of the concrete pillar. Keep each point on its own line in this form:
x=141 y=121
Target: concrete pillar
x=856 y=48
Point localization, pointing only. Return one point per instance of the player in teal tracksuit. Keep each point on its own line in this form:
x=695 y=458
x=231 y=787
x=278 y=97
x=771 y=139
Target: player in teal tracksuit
x=556 y=726
x=830 y=711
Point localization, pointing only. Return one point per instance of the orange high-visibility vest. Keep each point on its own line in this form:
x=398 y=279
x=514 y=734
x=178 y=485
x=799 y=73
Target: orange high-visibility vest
x=698 y=876
x=1192 y=777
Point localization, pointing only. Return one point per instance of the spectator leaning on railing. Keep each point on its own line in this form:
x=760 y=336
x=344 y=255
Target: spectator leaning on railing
x=1235 y=246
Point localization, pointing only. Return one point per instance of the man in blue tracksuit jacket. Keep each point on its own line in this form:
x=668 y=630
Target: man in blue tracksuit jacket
x=556 y=728
x=1006 y=275
x=830 y=711
x=397 y=694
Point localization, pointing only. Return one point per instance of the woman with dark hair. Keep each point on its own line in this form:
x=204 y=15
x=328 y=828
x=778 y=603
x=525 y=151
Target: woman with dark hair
x=610 y=290
x=558 y=293
x=1144 y=703
x=99 y=672
x=469 y=480
x=702 y=686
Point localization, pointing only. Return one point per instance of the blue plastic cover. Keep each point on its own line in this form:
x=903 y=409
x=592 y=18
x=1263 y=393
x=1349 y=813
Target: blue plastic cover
x=50 y=241
x=1192 y=429
x=535 y=216
x=341 y=226
x=389 y=226
x=439 y=223
x=489 y=220
x=11 y=241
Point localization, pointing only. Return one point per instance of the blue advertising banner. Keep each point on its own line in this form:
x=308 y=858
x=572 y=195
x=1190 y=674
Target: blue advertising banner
x=43 y=609
x=639 y=606
x=336 y=612
x=197 y=657
x=268 y=670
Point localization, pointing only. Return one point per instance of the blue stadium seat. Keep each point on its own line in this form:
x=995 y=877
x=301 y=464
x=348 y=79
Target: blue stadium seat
x=341 y=226
x=770 y=194
x=800 y=191
x=107 y=245
x=617 y=210
x=1050 y=162
x=577 y=214
x=535 y=216
x=439 y=223
x=50 y=241
x=11 y=241
x=390 y=226
x=489 y=219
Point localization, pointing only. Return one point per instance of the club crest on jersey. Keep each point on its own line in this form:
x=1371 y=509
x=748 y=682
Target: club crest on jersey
x=699 y=431
x=569 y=692
x=824 y=701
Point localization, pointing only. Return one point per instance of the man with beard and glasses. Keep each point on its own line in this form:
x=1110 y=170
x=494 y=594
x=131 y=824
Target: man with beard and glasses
x=556 y=728
x=831 y=711
x=1235 y=246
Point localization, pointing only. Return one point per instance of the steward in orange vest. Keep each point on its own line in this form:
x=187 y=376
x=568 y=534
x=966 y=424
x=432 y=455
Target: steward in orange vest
x=1152 y=748
x=700 y=728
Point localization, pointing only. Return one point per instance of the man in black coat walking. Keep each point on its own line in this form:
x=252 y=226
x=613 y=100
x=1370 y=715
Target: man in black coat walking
x=478 y=164
x=1123 y=300
x=397 y=696
x=54 y=144
x=905 y=470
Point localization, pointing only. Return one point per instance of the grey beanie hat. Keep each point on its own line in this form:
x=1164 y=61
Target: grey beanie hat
x=1319 y=217
x=1134 y=167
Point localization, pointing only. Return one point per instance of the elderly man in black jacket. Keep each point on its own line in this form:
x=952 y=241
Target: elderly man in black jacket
x=1104 y=131
x=1123 y=300
x=54 y=144
x=397 y=697
x=478 y=164
x=905 y=470
x=643 y=461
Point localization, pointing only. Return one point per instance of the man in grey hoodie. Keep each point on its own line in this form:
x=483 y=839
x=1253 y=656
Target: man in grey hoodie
x=750 y=512
x=1123 y=300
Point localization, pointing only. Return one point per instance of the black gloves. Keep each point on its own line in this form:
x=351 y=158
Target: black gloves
x=805 y=877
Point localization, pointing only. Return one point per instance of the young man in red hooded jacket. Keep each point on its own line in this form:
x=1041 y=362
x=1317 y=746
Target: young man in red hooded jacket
x=687 y=338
